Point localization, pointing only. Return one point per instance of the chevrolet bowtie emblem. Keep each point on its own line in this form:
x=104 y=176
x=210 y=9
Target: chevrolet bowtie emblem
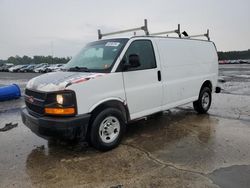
x=31 y=99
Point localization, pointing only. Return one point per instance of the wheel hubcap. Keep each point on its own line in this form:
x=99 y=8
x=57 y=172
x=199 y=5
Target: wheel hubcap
x=109 y=129
x=205 y=100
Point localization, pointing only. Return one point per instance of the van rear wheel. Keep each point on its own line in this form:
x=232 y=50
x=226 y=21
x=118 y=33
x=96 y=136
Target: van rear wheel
x=107 y=129
x=203 y=103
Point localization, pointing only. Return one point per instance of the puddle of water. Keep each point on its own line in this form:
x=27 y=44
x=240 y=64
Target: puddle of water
x=194 y=142
x=231 y=177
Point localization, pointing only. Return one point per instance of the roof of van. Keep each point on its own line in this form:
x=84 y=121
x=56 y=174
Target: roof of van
x=184 y=38
x=150 y=36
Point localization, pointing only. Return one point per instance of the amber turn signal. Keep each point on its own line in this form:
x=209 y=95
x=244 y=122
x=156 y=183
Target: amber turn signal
x=60 y=111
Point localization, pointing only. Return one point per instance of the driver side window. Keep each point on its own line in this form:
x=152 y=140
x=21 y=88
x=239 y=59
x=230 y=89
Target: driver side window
x=144 y=49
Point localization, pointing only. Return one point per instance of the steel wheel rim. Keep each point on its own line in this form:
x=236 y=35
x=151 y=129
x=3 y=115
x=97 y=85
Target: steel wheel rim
x=205 y=100
x=109 y=129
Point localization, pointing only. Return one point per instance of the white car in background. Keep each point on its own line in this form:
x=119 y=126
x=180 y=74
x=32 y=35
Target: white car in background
x=53 y=68
x=41 y=68
x=59 y=68
x=16 y=68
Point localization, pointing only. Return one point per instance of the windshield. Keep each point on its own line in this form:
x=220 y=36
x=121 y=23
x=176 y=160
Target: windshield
x=97 y=56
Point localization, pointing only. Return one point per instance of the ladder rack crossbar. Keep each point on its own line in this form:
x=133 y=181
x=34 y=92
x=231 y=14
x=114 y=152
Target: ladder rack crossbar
x=178 y=31
x=164 y=32
x=120 y=32
x=201 y=35
x=144 y=28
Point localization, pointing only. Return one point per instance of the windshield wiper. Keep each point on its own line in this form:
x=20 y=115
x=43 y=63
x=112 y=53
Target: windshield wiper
x=78 y=69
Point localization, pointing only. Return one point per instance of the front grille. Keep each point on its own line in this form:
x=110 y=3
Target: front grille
x=35 y=101
x=35 y=94
x=34 y=108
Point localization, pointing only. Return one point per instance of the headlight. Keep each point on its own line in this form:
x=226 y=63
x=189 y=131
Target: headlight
x=59 y=99
x=61 y=103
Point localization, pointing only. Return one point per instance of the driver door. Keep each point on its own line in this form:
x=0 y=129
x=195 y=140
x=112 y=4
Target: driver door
x=142 y=84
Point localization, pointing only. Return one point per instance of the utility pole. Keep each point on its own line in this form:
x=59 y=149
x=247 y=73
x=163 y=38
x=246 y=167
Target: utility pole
x=52 y=51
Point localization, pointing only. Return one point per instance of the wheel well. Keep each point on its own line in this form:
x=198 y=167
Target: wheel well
x=208 y=84
x=114 y=104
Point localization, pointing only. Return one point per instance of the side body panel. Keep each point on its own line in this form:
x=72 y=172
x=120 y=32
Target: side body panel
x=186 y=65
x=93 y=92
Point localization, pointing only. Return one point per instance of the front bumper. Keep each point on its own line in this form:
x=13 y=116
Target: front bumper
x=57 y=127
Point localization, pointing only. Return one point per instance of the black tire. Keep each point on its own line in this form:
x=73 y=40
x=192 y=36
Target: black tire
x=98 y=128
x=201 y=106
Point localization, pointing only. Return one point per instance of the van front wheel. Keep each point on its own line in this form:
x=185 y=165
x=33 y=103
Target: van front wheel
x=202 y=105
x=107 y=129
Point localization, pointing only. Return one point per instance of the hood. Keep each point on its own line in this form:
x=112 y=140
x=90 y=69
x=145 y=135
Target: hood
x=56 y=81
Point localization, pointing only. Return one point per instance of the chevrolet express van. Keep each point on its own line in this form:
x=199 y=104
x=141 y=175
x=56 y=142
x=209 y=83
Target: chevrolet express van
x=114 y=81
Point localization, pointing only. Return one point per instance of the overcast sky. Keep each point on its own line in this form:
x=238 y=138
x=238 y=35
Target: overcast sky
x=62 y=27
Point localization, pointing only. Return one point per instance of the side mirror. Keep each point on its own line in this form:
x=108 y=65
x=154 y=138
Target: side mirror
x=134 y=60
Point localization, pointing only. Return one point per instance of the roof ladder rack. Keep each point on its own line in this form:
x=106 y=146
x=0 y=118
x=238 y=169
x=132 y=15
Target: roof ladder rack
x=202 y=35
x=144 y=28
x=178 y=31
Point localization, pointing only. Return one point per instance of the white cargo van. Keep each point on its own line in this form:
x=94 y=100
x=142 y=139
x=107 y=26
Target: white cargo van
x=111 y=82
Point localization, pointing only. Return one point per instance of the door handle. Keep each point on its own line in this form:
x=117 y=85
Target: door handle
x=159 y=75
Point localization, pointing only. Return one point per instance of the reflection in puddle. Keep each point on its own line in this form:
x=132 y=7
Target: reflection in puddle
x=173 y=127
x=60 y=165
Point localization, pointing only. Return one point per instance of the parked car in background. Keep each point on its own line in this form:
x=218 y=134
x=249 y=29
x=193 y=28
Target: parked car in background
x=242 y=61
x=222 y=62
x=16 y=68
x=38 y=66
x=21 y=68
x=234 y=61
x=28 y=68
x=1 y=67
x=59 y=68
x=41 y=68
x=5 y=67
x=52 y=68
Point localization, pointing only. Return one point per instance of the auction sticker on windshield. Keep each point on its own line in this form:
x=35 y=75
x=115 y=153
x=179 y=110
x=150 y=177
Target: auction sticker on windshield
x=113 y=44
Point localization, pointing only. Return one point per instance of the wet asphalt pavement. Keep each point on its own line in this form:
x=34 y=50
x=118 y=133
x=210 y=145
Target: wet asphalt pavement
x=176 y=149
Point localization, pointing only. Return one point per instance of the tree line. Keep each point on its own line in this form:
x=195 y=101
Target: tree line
x=17 y=60
x=234 y=55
